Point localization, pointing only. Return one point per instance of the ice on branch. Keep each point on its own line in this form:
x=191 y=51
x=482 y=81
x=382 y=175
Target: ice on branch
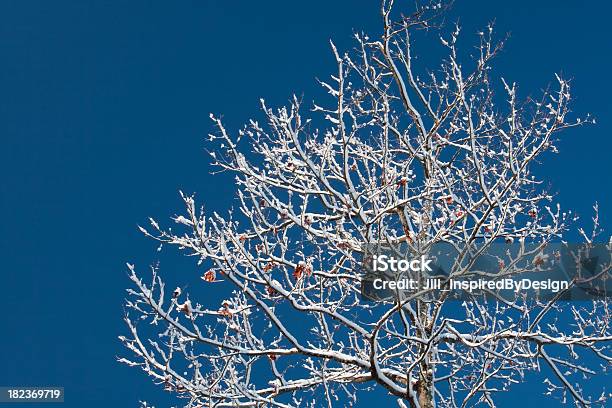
x=396 y=153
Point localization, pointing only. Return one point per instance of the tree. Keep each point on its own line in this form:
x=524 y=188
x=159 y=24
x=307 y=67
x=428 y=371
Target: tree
x=395 y=157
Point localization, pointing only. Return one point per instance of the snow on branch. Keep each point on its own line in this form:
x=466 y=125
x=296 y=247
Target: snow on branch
x=395 y=154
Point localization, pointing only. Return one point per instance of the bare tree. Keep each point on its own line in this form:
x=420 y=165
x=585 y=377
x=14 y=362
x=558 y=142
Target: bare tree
x=398 y=155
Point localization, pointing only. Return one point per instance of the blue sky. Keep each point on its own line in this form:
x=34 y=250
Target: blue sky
x=103 y=112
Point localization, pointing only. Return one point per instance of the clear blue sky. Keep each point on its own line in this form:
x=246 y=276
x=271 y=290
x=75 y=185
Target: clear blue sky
x=103 y=112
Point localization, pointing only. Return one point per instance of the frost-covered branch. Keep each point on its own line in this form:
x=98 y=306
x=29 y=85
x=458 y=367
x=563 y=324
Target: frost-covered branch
x=397 y=154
